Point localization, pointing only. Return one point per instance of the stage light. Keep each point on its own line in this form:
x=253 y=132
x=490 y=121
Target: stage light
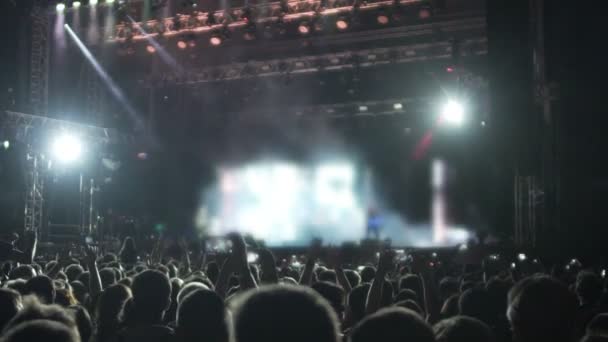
x=181 y=44
x=382 y=19
x=453 y=113
x=60 y=7
x=398 y=106
x=6 y=144
x=215 y=40
x=150 y=49
x=304 y=28
x=342 y=24
x=67 y=148
x=76 y=4
x=363 y=108
x=109 y=1
x=424 y=13
x=93 y=2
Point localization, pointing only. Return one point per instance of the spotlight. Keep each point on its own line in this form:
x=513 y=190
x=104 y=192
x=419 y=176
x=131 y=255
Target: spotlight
x=363 y=108
x=109 y=1
x=6 y=144
x=93 y=2
x=250 y=31
x=424 y=13
x=67 y=148
x=215 y=40
x=76 y=4
x=453 y=113
x=150 y=49
x=181 y=44
x=60 y=7
x=342 y=24
x=382 y=19
x=304 y=28
x=398 y=106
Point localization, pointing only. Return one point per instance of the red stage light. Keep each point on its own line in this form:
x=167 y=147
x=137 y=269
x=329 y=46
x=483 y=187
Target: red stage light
x=424 y=13
x=304 y=29
x=150 y=49
x=215 y=41
x=382 y=19
x=342 y=24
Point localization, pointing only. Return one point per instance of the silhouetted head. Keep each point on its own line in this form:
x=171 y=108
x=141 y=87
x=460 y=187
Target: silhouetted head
x=328 y=276
x=356 y=304
x=189 y=288
x=392 y=325
x=589 y=288
x=83 y=321
x=462 y=328
x=598 y=325
x=73 y=272
x=34 y=310
x=474 y=303
x=25 y=272
x=108 y=277
x=42 y=286
x=450 y=306
x=41 y=330
x=448 y=287
x=541 y=309
x=410 y=305
x=367 y=274
x=201 y=316
x=333 y=293
x=151 y=295
x=353 y=277
x=411 y=282
x=284 y=313
x=10 y=304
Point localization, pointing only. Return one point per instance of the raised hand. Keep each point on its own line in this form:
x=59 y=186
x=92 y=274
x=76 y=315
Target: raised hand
x=386 y=262
x=91 y=254
x=239 y=249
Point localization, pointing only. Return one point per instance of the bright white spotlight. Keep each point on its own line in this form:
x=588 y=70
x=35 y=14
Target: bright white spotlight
x=453 y=113
x=93 y=2
x=6 y=144
x=67 y=148
x=76 y=4
x=60 y=7
x=109 y=1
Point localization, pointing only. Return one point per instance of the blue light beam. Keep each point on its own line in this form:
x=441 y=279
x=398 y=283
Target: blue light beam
x=114 y=88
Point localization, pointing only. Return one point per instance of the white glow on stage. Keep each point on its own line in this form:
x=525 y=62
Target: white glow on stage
x=287 y=204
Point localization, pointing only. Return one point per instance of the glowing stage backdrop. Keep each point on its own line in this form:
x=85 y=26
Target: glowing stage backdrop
x=288 y=204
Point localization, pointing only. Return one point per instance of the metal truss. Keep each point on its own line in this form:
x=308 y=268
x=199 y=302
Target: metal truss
x=34 y=194
x=269 y=12
x=38 y=82
x=328 y=62
x=26 y=127
x=27 y=124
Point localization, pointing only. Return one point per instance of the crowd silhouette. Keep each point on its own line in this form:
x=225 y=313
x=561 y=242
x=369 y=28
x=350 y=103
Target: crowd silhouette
x=194 y=295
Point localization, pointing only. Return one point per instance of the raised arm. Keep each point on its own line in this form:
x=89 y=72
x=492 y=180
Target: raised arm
x=269 y=269
x=311 y=259
x=374 y=297
x=95 y=287
x=239 y=252
x=27 y=256
x=185 y=268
